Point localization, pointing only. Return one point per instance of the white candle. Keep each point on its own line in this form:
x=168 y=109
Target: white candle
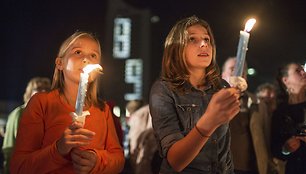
x=83 y=87
x=242 y=47
x=81 y=94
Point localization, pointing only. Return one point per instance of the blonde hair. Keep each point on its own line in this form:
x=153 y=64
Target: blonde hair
x=174 y=66
x=58 y=76
x=36 y=84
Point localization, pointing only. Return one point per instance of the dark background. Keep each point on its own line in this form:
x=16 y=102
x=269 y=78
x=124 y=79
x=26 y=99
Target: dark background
x=32 y=31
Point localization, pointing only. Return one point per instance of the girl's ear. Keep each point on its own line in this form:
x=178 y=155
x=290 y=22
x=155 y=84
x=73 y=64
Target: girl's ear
x=285 y=80
x=59 y=63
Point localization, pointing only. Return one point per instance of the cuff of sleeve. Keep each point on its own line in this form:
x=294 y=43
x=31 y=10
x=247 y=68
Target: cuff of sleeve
x=168 y=141
x=285 y=151
x=98 y=162
x=59 y=159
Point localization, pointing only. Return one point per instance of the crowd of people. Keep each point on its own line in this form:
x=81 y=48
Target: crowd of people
x=195 y=121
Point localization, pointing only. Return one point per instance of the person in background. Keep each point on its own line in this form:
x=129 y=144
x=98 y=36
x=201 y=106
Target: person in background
x=191 y=105
x=228 y=68
x=36 y=84
x=266 y=93
x=288 y=133
x=143 y=146
x=250 y=127
x=244 y=157
x=130 y=107
x=139 y=121
x=48 y=140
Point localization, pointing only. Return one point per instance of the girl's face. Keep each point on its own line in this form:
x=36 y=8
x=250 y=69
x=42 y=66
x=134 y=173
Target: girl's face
x=296 y=79
x=83 y=51
x=198 y=51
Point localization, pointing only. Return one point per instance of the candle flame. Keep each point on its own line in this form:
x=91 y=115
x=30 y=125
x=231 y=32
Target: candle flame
x=88 y=68
x=249 y=25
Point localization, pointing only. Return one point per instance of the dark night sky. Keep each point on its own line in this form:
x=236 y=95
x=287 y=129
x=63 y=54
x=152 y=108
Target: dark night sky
x=33 y=31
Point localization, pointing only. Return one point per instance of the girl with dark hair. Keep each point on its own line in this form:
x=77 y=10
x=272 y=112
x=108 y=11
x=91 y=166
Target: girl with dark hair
x=190 y=104
x=289 y=119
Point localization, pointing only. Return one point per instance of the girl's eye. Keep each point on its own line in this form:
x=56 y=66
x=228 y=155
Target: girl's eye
x=298 y=70
x=196 y=40
x=77 y=52
x=94 y=56
x=207 y=40
x=193 y=40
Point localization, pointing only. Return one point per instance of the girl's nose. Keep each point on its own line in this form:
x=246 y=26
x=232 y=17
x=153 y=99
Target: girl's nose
x=85 y=60
x=203 y=43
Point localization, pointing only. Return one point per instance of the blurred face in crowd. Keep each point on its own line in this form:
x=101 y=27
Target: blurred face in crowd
x=267 y=95
x=228 y=69
x=295 y=80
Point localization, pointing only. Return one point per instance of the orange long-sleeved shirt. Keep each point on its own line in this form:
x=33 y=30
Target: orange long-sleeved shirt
x=43 y=123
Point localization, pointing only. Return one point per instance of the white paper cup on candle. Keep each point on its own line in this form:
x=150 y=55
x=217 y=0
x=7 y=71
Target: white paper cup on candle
x=238 y=82
x=81 y=119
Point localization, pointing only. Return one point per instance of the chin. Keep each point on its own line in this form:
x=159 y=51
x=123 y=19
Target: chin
x=205 y=65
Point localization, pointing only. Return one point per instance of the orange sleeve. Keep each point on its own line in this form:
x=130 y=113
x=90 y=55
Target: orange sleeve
x=29 y=156
x=111 y=160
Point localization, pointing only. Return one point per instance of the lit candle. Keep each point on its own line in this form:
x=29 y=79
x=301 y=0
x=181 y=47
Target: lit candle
x=79 y=114
x=242 y=47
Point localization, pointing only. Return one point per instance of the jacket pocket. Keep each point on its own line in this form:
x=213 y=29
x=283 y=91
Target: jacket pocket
x=186 y=114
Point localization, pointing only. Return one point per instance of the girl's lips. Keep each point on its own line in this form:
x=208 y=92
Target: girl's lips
x=203 y=54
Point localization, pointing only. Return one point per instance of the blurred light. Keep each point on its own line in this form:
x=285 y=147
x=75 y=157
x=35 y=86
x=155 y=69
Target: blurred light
x=122 y=38
x=133 y=75
x=155 y=19
x=127 y=113
x=251 y=71
x=116 y=111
